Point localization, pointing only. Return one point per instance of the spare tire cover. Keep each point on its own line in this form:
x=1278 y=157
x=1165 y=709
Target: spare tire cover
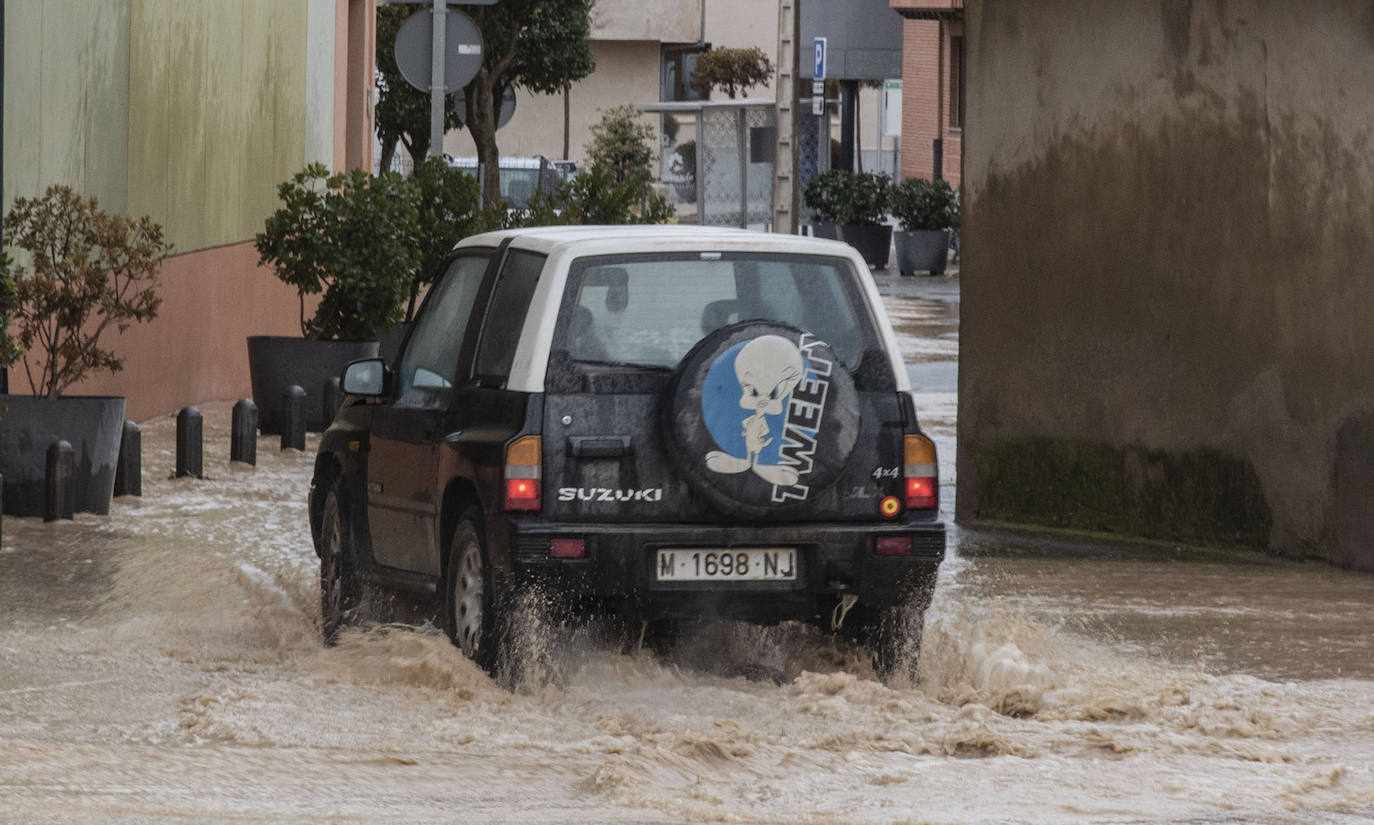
x=760 y=416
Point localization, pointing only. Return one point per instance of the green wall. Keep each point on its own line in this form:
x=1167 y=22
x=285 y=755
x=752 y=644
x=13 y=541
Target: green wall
x=190 y=112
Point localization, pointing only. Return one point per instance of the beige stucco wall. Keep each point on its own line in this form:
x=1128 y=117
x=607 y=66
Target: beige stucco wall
x=626 y=73
x=667 y=21
x=1165 y=270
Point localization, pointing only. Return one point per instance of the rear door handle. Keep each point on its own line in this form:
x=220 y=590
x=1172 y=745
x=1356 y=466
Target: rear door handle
x=600 y=446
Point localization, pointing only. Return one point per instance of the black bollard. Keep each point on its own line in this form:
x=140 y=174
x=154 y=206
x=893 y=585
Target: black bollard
x=293 y=418
x=333 y=397
x=243 y=441
x=129 y=470
x=59 y=487
x=190 y=446
x=2 y=509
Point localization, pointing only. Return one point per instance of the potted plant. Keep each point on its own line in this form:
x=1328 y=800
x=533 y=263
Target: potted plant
x=82 y=272
x=350 y=239
x=856 y=203
x=928 y=211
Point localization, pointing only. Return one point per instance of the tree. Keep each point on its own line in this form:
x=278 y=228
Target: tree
x=539 y=45
x=402 y=112
x=88 y=271
x=447 y=211
x=623 y=146
x=731 y=71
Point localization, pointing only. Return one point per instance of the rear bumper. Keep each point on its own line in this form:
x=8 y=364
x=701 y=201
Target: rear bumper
x=833 y=560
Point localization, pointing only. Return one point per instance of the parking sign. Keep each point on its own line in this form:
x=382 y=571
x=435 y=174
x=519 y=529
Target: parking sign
x=819 y=70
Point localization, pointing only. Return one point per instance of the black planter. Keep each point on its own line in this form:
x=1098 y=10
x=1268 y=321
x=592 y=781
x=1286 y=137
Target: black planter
x=873 y=242
x=922 y=250
x=93 y=425
x=826 y=229
x=275 y=362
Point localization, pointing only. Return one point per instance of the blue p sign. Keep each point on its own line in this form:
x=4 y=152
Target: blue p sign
x=819 y=71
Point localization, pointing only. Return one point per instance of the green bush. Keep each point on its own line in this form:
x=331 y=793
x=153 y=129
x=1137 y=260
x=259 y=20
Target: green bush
x=922 y=204
x=87 y=271
x=9 y=302
x=351 y=237
x=852 y=198
x=448 y=209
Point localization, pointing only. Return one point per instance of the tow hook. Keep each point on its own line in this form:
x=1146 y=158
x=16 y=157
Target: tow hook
x=842 y=608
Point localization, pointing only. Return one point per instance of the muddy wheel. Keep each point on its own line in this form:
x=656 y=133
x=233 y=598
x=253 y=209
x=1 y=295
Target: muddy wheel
x=470 y=606
x=892 y=637
x=340 y=591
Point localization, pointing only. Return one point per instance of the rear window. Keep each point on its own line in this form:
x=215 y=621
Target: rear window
x=650 y=310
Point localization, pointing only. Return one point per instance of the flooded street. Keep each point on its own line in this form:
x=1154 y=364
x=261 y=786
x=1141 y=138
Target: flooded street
x=163 y=665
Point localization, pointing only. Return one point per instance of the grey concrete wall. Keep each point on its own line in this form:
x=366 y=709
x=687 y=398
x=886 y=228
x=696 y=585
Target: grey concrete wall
x=1168 y=309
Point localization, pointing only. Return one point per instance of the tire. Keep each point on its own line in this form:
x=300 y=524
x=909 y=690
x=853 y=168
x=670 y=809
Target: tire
x=340 y=590
x=471 y=609
x=759 y=417
x=892 y=637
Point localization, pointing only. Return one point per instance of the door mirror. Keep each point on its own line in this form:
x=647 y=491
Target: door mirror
x=366 y=377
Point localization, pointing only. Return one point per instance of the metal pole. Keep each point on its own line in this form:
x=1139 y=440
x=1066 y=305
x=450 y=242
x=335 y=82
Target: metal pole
x=938 y=150
x=701 y=168
x=849 y=92
x=436 y=81
x=742 y=131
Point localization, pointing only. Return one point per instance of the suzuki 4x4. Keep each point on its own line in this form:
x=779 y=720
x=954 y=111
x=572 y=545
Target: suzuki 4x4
x=663 y=423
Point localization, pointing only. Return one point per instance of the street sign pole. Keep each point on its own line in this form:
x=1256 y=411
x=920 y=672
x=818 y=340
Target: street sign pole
x=436 y=85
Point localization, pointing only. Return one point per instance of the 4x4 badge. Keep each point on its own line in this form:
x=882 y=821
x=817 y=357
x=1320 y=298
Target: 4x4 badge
x=782 y=387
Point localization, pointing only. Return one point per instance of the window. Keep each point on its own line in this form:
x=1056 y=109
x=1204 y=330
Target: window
x=650 y=310
x=431 y=356
x=506 y=315
x=956 y=82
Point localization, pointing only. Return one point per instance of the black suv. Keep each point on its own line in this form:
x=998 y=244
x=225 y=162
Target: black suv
x=662 y=423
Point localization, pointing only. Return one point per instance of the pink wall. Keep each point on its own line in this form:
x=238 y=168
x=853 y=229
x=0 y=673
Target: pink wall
x=195 y=350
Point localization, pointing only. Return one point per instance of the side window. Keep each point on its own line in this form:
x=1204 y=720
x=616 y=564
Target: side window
x=431 y=356
x=506 y=315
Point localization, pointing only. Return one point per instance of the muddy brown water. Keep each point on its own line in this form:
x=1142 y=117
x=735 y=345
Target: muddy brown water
x=162 y=665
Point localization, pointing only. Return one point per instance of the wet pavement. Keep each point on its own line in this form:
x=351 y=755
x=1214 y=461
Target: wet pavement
x=162 y=665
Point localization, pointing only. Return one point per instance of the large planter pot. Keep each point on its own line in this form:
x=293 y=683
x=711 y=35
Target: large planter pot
x=826 y=229
x=921 y=250
x=93 y=425
x=873 y=242
x=275 y=362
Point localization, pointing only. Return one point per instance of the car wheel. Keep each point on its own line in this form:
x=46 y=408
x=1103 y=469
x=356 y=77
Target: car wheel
x=470 y=606
x=759 y=417
x=892 y=637
x=340 y=591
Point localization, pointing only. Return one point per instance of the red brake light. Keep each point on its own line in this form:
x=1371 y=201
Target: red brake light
x=524 y=464
x=567 y=549
x=922 y=491
x=893 y=546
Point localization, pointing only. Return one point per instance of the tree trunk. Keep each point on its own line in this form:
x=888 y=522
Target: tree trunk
x=388 y=152
x=483 y=128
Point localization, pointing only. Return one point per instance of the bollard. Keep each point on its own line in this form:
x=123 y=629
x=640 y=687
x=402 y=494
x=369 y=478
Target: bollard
x=129 y=470
x=243 y=440
x=190 y=449
x=2 y=508
x=333 y=397
x=293 y=418
x=58 y=484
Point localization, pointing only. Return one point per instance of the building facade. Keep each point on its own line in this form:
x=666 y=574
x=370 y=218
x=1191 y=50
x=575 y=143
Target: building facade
x=933 y=84
x=190 y=113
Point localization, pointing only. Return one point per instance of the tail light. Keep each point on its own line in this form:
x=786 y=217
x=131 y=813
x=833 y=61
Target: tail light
x=920 y=474
x=524 y=461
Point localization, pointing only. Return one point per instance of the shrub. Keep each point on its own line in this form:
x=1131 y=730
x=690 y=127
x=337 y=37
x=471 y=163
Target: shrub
x=848 y=197
x=9 y=302
x=622 y=146
x=351 y=237
x=87 y=271
x=922 y=204
x=448 y=209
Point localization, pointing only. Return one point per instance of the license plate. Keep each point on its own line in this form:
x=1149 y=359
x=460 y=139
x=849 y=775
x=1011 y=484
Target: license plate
x=767 y=564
